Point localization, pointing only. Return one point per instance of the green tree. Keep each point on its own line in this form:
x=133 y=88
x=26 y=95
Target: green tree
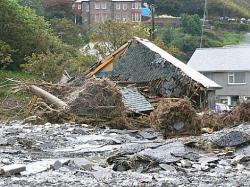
x=191 y=24
x=24 y=31
x=5 y=54
x=67 y=31
x=36 y=5
x=49 y=66
x=112 y=34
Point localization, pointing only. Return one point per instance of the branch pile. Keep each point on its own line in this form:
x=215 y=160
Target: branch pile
x=175 y=117
x=218 y=121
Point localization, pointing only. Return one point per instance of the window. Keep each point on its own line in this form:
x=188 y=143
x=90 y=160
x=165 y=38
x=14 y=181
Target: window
x=118 y=17
x=118 y=6
x=236 y=78
x=136 y=5
x=87 y=8
x=73 y=6
x=79 y=6
x=124 y=18
x=104 y=5
x=97 y=18
x=97 y=6
x=124 y=6
x=104 y=17
x=136 y=17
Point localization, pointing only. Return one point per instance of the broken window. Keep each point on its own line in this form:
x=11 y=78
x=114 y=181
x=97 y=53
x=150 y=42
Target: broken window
x=236 y=78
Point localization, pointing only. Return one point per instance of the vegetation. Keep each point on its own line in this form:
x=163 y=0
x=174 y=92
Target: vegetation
x=112 y=34
x=67 y=31
x=238 y=8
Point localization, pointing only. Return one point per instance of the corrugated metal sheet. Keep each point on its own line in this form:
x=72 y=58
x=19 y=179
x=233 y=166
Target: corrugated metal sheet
x=135 y=101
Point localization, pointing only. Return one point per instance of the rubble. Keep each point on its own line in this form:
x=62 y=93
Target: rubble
x=12 y=169
x=110 y=157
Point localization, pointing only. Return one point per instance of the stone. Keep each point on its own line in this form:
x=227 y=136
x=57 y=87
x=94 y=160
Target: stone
x=6 y=161
x=78 y=130
x=12 y=169
x=165 y=153
x=240 y=158
x=185 y=163
x=81 y=163
x=148 y=134
x=57 y=165
x=168 y=167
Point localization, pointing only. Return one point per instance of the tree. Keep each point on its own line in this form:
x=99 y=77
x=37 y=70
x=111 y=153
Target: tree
x=24 y=31
x=191 y=24
x=49 y=66
x=5 y=54
x=67 y=31
x=36 y=5
x=112 y=34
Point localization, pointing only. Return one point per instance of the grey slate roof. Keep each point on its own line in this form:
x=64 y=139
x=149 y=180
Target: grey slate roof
x=221 y=59
x=135 y=101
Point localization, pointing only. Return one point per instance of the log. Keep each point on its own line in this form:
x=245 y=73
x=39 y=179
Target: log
x=49 y=97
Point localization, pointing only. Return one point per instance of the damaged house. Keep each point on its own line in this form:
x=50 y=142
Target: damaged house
x=141 y=65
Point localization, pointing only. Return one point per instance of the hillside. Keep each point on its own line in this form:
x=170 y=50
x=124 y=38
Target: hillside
x=232 y=8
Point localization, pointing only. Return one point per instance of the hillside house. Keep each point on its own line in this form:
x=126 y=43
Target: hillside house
x=89 y=12
x=229 y=67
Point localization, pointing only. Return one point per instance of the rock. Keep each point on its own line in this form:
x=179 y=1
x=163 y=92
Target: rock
x=239 y=159
x=78 y=130
x=165 y=153
x=168 y=167
x=148 y=134
x=3 y=142
x=57 y=165
x=12 y=169
x=121 y=165
x=6 y=161
x=186 y=163
x=209 y=159
x=81 y=163
x=36 y=167
x=191 y=156
x=233 y=138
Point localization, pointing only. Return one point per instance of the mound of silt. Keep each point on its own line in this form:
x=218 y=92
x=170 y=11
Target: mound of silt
x=175 y=117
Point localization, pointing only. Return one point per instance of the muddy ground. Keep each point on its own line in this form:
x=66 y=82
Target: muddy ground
x=79 y=155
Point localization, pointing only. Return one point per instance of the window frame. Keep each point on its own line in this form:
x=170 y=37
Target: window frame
x=118 y=6
x=232 y=74
x=97 y=6
x=103 y=5
x=124 y=6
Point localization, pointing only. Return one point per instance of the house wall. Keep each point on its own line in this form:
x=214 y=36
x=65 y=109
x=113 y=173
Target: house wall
x=221 y=78
x=92 y=15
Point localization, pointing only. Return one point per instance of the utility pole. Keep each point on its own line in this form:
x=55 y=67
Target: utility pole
x=153 y=22
x=151 y=4
x=203 y=24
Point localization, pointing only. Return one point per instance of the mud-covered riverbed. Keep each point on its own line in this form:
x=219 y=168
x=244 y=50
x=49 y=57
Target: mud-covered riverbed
x=79 y=155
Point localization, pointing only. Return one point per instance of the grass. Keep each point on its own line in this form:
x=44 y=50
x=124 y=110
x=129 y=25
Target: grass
x=12 y=106
x=232 y=38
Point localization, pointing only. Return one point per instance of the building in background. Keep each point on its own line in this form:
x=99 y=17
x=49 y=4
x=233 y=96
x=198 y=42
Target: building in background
x=228 y=67
x=91 y=12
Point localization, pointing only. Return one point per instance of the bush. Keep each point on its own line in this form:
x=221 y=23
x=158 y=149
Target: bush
x=191 y=24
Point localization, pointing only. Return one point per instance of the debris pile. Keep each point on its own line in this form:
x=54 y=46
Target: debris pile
x=218 y=121
x=175 y=117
